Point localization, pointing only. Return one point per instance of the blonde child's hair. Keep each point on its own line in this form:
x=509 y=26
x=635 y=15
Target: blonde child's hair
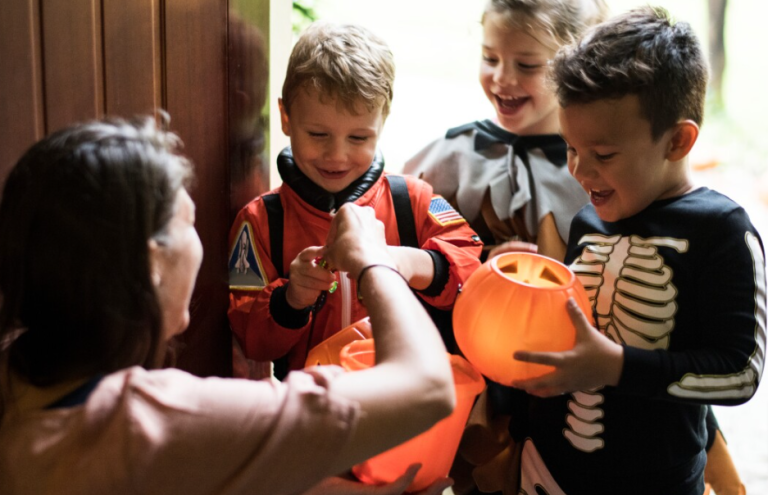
x=341 y=61
x=563 y=20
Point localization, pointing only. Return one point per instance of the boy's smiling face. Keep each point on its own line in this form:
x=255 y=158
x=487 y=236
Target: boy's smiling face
x=330 y=145
x=613 y=156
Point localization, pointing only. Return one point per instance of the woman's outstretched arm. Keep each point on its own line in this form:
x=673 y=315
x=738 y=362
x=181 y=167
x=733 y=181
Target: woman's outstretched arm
x=411 y=386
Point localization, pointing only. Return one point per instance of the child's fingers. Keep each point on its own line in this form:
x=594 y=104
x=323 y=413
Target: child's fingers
x=313 y=278
x=410 y=473
x=513 y=247
x=578 y=317
x=310 y=261
x=308 y=255
x=542 y=386
x=307 y=278
x=549 y=358
x=546 y=385
x=398 y=486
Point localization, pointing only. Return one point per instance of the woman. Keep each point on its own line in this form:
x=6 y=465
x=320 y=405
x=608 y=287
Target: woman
x=98 y=257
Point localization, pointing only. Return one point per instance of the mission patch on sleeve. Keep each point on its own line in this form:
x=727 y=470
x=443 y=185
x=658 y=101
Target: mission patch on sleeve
x=245 y=271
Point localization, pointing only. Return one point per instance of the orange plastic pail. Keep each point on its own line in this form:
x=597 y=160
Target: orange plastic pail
x=435 y=448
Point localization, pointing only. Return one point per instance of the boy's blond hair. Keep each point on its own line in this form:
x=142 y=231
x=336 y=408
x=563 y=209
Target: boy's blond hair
x=341 y=61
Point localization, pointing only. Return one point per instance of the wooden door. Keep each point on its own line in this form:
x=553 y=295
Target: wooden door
x=73 y=60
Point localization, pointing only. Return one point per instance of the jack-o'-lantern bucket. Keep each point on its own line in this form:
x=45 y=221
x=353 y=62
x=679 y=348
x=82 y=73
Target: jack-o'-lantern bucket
x=516 y=301
x=327 y=351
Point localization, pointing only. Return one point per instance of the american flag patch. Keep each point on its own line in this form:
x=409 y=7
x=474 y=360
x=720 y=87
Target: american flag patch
x=442 y=211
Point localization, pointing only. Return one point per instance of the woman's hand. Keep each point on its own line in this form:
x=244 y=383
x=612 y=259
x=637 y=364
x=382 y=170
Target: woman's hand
x=348 y=485
x=356 y=240
x=410 y=387
x=594 y=361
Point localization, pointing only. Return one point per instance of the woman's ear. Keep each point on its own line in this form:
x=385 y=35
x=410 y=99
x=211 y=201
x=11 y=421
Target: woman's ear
x=684 y=137
x=155 y=262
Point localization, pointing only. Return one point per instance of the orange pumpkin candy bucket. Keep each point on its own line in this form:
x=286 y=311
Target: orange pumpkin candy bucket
x=516 y=301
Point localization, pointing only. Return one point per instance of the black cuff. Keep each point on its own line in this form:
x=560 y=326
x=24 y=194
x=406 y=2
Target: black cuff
x=283 y=313
x=442 y=272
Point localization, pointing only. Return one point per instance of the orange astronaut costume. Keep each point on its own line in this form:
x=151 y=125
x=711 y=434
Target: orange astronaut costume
x=266 y=327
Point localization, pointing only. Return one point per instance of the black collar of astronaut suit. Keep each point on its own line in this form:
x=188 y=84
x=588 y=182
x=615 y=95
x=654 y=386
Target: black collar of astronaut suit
x=318 y=197
x=488 y=134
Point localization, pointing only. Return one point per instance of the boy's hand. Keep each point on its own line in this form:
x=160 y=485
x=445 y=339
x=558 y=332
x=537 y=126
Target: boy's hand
x=343 y=485
x=307 y=279
x=513 y=247
x=595 y=361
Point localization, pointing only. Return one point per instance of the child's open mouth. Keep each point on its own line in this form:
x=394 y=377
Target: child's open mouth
x=598 y=197
x=332 y=174
x=508 y=104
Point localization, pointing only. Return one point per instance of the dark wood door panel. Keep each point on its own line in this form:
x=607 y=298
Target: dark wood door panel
x=22 y=119
x=132 y=56
x=72 y=58
x=195 y=78
x=66 y=61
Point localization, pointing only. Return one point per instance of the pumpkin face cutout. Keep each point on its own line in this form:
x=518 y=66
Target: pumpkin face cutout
x=516 y=301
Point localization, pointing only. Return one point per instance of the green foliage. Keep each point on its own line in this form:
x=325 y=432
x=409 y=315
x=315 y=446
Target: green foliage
x=303 y=14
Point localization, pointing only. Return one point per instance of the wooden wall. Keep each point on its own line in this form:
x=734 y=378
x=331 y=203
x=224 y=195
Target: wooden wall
x=63 y=61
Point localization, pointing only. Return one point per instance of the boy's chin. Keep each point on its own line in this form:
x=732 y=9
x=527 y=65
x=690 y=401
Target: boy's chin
x=612 y=216
x=334 y=187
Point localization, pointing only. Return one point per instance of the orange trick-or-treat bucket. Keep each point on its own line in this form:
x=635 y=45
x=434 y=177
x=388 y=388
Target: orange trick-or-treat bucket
x=435 y=448
x=516 y=301
x=327 y=351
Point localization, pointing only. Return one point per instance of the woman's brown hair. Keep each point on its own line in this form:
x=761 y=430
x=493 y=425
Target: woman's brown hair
x=76 y=215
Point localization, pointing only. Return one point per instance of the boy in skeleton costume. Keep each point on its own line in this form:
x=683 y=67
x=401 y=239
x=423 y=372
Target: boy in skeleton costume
x=676 y=275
